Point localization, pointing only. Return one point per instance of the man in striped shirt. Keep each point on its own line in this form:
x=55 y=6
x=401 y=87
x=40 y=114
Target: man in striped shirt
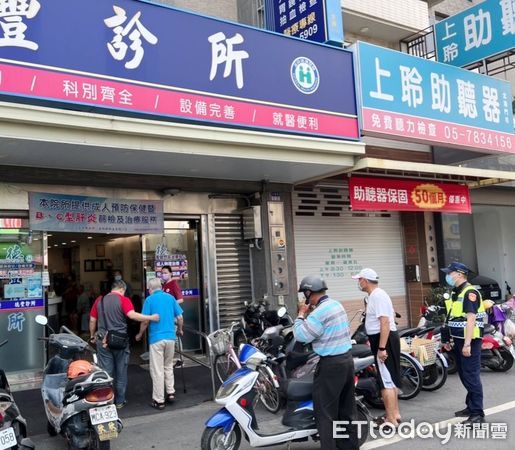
x=327 y=329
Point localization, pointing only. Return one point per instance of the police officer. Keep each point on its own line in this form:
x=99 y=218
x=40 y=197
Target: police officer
x=465 y=313
x=327 y=328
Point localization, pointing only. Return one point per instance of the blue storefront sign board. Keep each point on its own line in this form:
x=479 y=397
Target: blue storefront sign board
x=477 y=33
x=142 y=57
x=80 y=214
x=416 y=98
x=314 y=20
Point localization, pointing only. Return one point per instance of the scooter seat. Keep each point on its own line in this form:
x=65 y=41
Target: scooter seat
x=360 y=351
x=300 y=389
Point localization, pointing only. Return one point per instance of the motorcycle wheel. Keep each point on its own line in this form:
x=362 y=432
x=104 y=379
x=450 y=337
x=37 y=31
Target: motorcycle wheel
x=361 y=415
x=267 y=393
x=411 y=378
x=507 y=361
x=214 y=439
x=224 y=366
x=437 y=376
x=451 y=363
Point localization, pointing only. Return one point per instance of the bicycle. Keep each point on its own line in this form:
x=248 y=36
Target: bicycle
x=226 y=362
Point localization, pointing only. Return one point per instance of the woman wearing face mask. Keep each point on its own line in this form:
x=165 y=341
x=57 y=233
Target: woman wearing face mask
x=465 y=313
x=171 y=286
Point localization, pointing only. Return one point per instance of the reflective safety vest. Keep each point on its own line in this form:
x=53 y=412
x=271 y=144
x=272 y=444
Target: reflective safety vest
x=458 y=319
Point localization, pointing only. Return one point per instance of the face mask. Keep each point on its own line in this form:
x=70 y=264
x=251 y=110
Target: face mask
x=165 y=276
x=359 y=286
x=449 y=280
x=118 y=277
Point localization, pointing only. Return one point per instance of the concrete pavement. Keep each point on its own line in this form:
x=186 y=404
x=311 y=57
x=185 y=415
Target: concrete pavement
x=181 y=429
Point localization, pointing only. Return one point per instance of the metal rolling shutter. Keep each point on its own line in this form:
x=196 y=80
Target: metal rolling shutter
x=232 y=268
x=328 y=235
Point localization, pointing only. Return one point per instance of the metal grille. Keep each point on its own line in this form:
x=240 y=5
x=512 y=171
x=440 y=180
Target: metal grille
x=232 y=268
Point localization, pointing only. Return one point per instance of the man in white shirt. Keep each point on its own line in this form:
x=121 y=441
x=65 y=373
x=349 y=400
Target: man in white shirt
x=384 y=341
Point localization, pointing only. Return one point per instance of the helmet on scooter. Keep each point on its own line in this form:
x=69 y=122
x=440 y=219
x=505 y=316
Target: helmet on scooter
x=79 y=368
x=313 y=284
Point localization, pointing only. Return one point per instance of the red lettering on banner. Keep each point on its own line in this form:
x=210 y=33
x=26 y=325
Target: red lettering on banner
x=387 y=194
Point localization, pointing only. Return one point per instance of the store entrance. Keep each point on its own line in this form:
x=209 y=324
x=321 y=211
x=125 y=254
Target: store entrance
x=82 y=267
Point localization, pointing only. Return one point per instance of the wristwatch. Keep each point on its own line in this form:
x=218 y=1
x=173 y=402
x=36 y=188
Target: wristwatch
x=382 y=349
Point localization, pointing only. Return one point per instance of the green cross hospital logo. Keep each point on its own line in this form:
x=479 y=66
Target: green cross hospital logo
x=304 y=75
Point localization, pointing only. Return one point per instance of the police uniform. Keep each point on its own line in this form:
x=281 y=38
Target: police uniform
x=465 y=299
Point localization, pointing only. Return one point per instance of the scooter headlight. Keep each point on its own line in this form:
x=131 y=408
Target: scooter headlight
x=226 y=390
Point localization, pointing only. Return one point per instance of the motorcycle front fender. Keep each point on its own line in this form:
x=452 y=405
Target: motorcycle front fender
x=443 y=359
x=221 y=418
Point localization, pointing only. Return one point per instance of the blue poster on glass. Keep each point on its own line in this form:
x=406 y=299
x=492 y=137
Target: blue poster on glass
x=474 y=34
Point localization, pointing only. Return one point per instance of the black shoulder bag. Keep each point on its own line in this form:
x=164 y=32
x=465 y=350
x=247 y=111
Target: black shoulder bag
x=115 y=340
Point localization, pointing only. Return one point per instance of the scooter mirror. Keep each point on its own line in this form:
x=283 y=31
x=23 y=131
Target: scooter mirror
x=281 y=312
x=42 y=320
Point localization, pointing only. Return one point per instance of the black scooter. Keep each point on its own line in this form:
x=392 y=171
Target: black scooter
x=13 y=427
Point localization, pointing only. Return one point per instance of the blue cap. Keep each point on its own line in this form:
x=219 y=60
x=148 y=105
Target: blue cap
x=456 y=267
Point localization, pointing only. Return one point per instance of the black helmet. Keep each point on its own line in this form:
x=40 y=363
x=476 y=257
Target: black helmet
x=313 y=284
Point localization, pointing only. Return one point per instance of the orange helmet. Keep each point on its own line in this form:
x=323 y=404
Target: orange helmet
x=79 y=368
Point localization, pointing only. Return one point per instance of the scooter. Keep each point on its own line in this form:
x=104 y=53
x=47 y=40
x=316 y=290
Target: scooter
x=224 y=429
x=13 y=427
x=78 y=402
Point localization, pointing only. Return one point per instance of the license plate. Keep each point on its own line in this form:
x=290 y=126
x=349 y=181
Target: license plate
x=103 y=414
x=494 y=294
x=7 y=438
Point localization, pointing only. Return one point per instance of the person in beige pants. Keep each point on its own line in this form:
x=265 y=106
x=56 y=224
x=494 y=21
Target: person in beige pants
x=161 y=338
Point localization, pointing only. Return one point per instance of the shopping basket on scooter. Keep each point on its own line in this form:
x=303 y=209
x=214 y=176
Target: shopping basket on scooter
x=422 y=349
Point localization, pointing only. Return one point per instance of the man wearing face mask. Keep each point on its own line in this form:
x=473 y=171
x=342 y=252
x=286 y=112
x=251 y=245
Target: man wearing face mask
x=327 y=329
x=384 y=341
x=171 y=286
x=465 y=313
x=118 y=276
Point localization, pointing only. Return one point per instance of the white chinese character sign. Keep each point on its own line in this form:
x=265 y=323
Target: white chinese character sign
x=314 y=20
x=478 y=32
x=389 y=194
x=76 y=213
x=150 y=59
x=421 y=100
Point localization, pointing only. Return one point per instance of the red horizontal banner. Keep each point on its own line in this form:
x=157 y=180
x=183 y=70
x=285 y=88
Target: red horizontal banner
x=389 y=194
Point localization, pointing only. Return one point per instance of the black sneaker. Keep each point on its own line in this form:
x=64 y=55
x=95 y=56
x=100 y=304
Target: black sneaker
x=476 y=418
x=463 y=413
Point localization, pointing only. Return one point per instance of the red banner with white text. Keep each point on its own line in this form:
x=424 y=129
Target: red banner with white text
x=390 y=194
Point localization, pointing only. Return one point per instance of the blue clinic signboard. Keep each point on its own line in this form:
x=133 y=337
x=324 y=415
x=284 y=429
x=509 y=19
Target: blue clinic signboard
x=479 y=32
x=314 y=20
x=81 y=214
x=419 y=99
x=137 y=56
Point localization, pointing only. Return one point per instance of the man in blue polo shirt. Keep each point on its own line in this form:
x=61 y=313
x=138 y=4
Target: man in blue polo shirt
x=161 y=339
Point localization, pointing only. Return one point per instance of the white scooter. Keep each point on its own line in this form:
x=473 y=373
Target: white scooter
x=223 y=430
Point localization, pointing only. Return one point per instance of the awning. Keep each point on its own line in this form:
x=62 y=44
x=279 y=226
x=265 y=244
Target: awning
x=473 y=178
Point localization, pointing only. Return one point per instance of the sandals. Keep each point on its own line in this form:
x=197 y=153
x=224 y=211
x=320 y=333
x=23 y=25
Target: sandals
x=157 y=405
x=170 y=398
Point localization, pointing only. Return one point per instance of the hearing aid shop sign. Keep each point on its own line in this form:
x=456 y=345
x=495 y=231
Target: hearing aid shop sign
x=387 y=194
x=138 y=57
x=75 y=213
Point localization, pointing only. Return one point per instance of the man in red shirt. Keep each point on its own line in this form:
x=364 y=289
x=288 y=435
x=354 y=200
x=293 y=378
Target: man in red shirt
x=110 y=313
x=171 y=286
